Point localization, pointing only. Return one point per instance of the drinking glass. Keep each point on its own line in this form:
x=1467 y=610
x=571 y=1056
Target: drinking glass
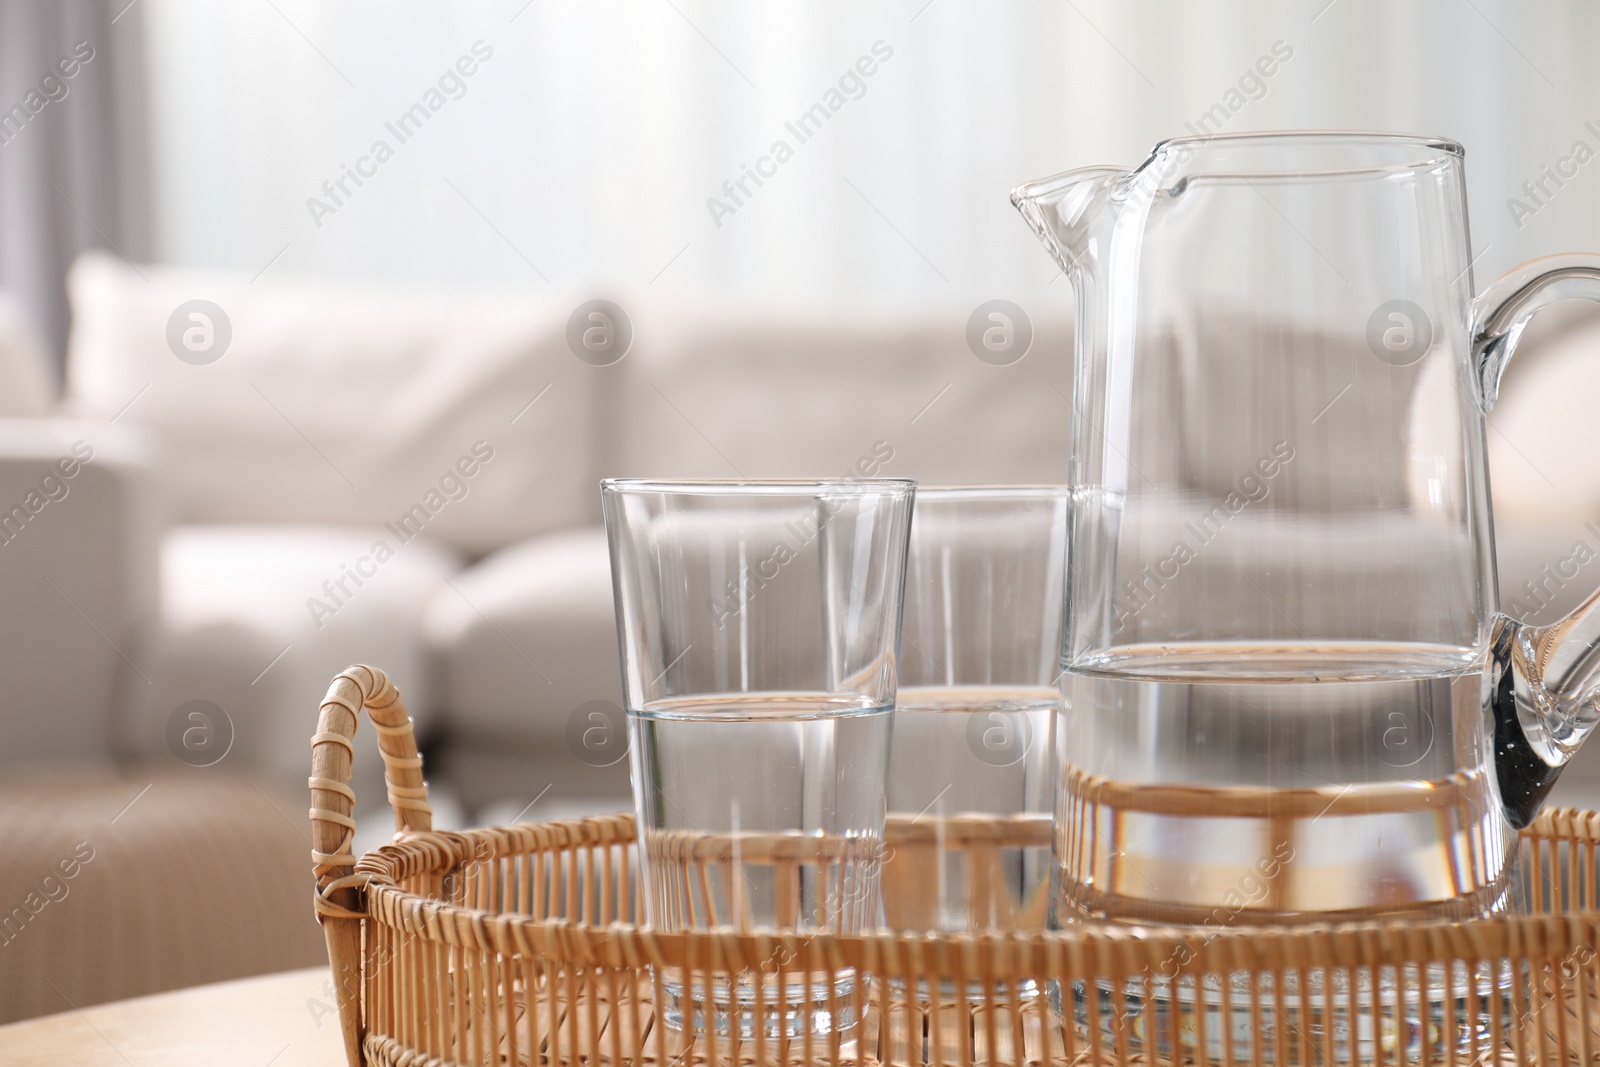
x=759 y=629
x=975 y=712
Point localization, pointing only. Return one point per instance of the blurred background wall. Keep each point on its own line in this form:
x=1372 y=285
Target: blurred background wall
x=590 y=143
x=588 y=146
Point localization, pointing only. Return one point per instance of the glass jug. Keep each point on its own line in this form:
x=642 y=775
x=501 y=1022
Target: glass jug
x=1289 y=694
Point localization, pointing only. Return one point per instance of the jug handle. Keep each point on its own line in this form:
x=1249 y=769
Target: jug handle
x=1546 y=678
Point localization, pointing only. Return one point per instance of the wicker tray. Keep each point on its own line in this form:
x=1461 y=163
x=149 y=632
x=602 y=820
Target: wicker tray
x=517 y=946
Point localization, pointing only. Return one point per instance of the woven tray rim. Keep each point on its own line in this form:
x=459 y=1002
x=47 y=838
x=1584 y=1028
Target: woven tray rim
x=1115 y=952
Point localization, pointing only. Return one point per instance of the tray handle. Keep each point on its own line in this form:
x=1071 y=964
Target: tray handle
x=333 y=826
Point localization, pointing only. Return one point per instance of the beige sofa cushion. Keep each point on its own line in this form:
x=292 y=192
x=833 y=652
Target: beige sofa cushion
x=522 y=641
x=719 y=391
x=336 y=404
x=257 y=620
x=525 y=636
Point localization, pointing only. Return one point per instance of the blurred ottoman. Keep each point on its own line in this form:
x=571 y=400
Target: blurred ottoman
x=116 y=885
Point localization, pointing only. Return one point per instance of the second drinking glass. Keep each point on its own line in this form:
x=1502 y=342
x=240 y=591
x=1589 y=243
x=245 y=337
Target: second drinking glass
x=970 y=775
x=759 y=624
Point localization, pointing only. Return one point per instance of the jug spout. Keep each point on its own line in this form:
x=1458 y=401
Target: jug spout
x=1063 y=210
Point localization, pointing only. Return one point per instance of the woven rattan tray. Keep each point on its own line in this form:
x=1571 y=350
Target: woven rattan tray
x=518 y=946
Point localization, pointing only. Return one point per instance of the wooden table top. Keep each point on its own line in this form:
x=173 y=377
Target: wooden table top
x=281 y=1020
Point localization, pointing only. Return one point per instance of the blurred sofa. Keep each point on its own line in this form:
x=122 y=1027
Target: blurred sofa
x=409 y=477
